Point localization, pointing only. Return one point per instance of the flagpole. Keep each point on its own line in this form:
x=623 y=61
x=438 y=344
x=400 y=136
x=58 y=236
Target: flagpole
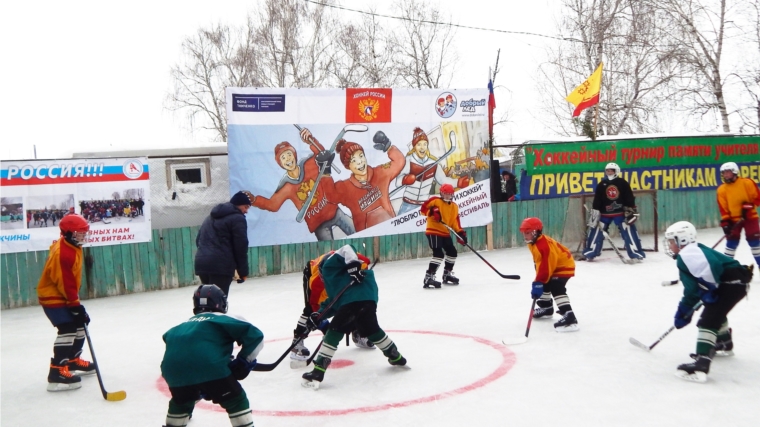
x=596 y=111
x=596 y=114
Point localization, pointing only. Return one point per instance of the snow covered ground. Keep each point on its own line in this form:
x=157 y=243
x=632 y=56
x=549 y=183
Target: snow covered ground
x=461 y=373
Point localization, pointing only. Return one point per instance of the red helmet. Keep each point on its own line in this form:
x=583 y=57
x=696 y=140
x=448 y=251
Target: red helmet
x=447 y=189
x=74 y=223
x=531 y=224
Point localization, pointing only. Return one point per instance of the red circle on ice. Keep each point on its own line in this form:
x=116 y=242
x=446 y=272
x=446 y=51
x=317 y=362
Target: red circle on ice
x=508 y=360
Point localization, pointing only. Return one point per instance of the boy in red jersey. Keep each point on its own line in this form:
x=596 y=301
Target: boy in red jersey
x=554 y=267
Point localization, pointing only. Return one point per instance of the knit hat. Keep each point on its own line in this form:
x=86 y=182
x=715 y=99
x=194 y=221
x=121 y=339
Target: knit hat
x=242 y=198
x=417 y=136
x=281 y=148
x=346 y=150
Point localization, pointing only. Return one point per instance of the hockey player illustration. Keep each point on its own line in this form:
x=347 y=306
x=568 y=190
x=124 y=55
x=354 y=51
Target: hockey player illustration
x=420 y=171
x=365 y=193
x=738 y=198
x=441 y=107
x=297 y=185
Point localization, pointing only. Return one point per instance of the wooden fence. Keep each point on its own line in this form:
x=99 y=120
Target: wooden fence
x=167 y=261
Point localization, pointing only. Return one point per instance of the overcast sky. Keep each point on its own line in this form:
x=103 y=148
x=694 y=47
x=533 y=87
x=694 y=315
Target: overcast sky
x=90 y=76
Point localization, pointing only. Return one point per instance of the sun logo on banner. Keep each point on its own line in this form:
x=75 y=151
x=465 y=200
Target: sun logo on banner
x=303 y=192
x=368 y=109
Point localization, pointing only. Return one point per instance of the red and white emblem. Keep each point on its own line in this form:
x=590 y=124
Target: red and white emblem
x=612 y=192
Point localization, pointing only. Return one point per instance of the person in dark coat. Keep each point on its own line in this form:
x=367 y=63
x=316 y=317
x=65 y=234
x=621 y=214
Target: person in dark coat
x=222 y=243
x=508 y=185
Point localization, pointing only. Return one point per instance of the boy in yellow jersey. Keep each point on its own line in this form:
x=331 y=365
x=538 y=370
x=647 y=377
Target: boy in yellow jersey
x=738 y=198
x=554 y=267
x=442 y=210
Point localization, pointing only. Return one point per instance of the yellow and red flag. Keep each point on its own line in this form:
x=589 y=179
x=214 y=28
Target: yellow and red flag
x=587 y=94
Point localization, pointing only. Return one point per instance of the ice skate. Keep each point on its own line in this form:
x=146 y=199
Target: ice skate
x=299 y=356
x=361 y=341
x=396 y=359
x=724 y=348
x=568 y=323
x=449 y=278
x=60 y=379
x=696 y=371
x=79 y=366
x=430 y=282
x=314 y=378
x=543 y=312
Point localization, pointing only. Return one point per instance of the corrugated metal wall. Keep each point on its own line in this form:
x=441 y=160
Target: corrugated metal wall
x=167 y=261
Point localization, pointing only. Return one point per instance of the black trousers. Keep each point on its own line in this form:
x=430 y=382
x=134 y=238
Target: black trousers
x=219 y=280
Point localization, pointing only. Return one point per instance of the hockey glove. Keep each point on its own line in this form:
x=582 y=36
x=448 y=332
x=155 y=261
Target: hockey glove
x=683 y=315
x=631 y=214
x=463 y=181
x=435 y=213
x=314 y=321
x=593 y=218
x=241 y=368
x=728 y=226
x=354 y=269
x=709 y=297
x=381 y=141
x=80 y=315
x=462 y=238
x=536 y=290
x=408 y=179
x=324 y=160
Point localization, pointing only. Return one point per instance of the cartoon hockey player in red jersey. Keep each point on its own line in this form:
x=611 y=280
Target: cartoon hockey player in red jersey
x=419 y=173
x=365 y=194
x=298 y=181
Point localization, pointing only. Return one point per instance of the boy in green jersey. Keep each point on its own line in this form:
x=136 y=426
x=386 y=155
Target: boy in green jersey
x=716 y=280
x=197 y=362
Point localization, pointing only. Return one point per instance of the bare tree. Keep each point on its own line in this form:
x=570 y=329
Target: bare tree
x=748 y=73
x=293 y=39
x=215 y=58
x=425 y=54
x=700 y=31
x=625 y=35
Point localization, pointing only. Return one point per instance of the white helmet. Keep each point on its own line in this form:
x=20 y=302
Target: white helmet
x=682 y=233
x=730 y=166
x=612 y=166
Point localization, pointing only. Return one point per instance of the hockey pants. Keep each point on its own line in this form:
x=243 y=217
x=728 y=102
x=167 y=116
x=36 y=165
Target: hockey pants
x=595 y=240
x=226 y=392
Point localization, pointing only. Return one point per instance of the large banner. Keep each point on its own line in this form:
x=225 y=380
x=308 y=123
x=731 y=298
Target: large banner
x=391 y=150
x=673 y=163
x=112 y=194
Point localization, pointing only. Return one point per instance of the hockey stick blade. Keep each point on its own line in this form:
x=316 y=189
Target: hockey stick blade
x=669 y=282
x=109 y=396
x=639 y=344
x=514 y=341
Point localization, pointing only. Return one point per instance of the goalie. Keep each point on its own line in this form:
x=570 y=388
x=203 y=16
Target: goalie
x=613 y=202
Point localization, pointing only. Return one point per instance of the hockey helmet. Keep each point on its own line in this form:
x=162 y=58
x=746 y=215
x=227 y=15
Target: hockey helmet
x=75 y=229
x=729 y=166
x=613 y=166
x=681 y=234
x=531 y=228
x=447 y=192
x=209 y=298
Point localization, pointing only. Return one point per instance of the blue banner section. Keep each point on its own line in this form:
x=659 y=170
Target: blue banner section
x=258 y=103
x=688 y=177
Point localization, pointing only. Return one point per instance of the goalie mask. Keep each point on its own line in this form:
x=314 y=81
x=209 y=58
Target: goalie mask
x=209 y=298
x=612 y=171
x=75 y=229
x=447 y=192
x=679 y=235
x=531 y=229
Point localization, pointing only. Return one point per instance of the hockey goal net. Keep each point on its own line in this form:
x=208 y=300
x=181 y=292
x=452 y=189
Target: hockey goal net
x=575 y=230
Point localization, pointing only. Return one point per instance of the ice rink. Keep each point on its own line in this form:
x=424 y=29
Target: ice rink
x=461 y=373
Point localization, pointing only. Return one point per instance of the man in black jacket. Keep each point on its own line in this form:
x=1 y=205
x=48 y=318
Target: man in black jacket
x=222 y=243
